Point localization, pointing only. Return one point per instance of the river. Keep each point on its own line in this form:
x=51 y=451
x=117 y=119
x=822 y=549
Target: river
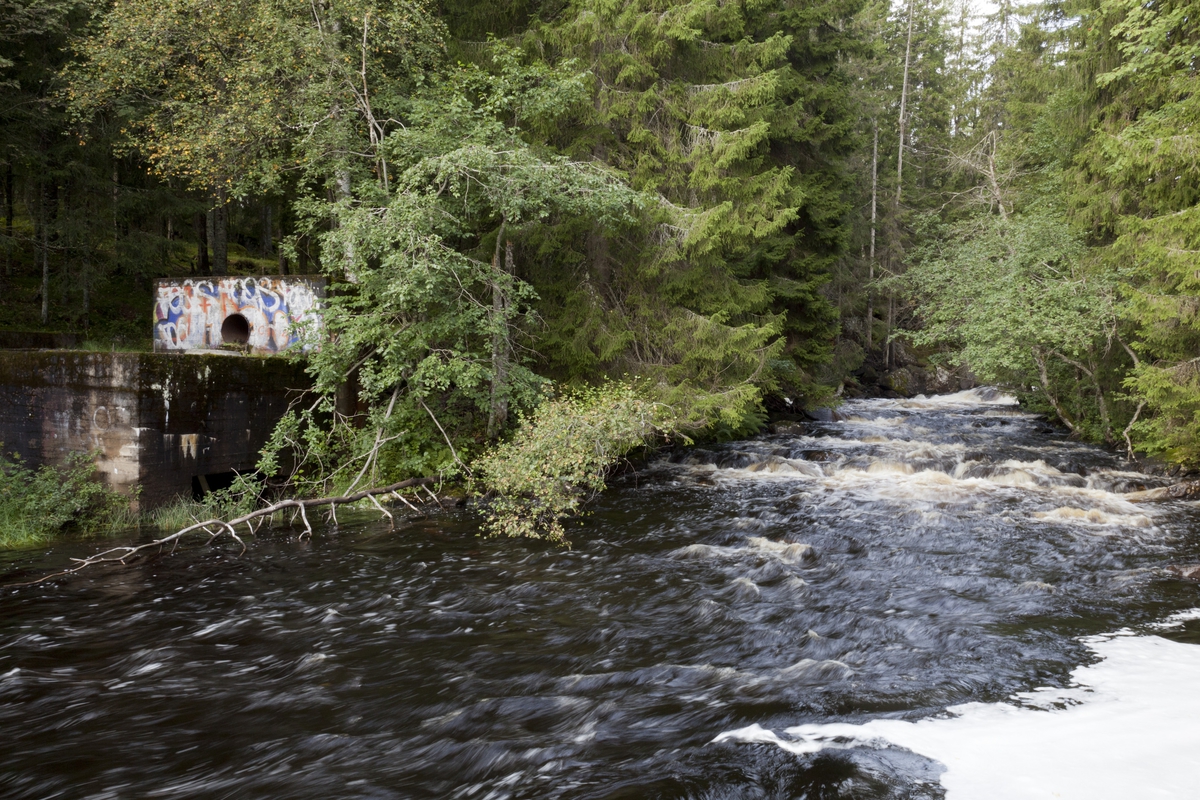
x=934 y=598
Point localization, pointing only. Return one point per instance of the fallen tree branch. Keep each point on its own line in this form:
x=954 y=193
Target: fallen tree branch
x=1058 y=409
x=449 y=444
x=1129 y=427
x=120 y=554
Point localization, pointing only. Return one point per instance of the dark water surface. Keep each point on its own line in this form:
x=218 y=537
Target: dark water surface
x=912 y=556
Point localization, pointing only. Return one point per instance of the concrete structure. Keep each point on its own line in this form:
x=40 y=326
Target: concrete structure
x=262 y=315
x=161 y=421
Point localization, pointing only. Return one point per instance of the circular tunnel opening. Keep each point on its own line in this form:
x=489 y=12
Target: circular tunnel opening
x=235 y=330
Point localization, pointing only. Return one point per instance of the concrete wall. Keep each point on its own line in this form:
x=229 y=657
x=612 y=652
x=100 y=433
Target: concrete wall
x=279 y=312
x=157 y=420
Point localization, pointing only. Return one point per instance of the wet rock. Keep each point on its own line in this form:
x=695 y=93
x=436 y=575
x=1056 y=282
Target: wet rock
x=789 y=427
x=905 y=381
x=695 y=551
x=694 y=457
x=790 y=552
x=902 y=355
x=1035 y=587
x=817 y=455
x=851 y=389
x=1190 y=572
x=737 y=460
x=940 y=380
x=823 y=415
x=1180 y=491
x=770 y=464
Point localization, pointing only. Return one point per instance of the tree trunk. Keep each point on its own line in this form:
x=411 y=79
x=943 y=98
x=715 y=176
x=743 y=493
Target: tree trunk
x=891 y=321
x=220 y=234
x=267 y=237
x=202 y=264
x=870 y=320
x=45 y=262
x=501 y=350
x=904 y=108
x=345 y=401
x=8 y=217
x=1040 y=360
x=895 y=252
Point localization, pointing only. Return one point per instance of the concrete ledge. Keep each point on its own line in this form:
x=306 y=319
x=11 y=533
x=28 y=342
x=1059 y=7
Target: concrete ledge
x=158 y=420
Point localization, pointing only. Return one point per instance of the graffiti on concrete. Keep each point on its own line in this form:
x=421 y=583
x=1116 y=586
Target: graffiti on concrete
x=267 y=315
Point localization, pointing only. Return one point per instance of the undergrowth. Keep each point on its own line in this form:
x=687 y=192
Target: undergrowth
x=37 y=504
x=560 y=456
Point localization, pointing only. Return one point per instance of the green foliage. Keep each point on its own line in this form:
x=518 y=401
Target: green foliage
x=735 y=116
x=438 y=316
x=1134 y=189
x=1014 y=298
x=240 y=497
x=560 y=455
x=999 y=289
x=36 y=504
x=229 y=94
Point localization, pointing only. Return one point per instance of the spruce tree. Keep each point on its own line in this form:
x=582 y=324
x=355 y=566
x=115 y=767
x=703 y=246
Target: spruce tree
x=736 y=118
x=1137 y=188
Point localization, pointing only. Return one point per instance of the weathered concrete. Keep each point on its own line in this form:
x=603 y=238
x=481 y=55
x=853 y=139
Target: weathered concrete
x=262 y=315
x=157 y=420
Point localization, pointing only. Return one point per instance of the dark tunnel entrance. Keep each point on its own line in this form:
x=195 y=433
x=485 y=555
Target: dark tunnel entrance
x=235 y=330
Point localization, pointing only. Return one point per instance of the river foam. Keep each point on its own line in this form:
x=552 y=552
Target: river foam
x=1126 y=728
x=973 y=450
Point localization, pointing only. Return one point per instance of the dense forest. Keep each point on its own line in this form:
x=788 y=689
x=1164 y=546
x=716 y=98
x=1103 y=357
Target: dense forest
x=703 y=209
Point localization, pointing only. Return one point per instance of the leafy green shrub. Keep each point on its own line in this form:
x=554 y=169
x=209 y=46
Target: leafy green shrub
x=37 y=503
x=240 y=497
x=560 y=455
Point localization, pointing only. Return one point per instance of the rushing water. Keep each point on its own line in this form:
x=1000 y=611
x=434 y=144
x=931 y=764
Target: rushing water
x=729 y=624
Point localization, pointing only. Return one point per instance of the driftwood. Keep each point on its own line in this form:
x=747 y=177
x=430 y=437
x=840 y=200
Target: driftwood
x=1180 y=491
x=253 y=521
